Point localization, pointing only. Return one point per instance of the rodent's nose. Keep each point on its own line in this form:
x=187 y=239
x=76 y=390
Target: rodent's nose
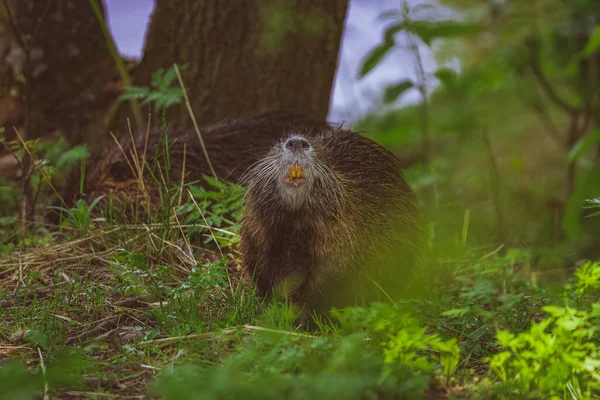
x=297 y=144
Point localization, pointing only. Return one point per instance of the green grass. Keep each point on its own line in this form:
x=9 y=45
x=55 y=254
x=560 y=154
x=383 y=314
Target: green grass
x=145 y=317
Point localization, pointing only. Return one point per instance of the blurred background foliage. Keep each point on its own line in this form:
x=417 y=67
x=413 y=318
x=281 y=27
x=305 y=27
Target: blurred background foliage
x=513 y=134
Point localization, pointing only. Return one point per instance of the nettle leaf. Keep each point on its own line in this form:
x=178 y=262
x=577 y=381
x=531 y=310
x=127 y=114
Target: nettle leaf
x=593 y=44
x=393 y=92
x=587 y=142
x=374 y=57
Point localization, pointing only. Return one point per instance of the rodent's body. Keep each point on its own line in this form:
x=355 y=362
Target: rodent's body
x=332 y=213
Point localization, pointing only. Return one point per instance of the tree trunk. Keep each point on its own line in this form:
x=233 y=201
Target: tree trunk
x=246 y=57
x=55 y=69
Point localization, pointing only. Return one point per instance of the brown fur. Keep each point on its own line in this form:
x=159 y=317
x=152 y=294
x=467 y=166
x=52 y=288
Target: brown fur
x=355 y=225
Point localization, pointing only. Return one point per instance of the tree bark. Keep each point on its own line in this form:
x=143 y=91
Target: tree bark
x=55 y=69
x=246 y=57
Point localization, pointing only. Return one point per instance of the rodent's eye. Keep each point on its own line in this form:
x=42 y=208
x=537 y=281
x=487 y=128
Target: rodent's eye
x=296 y=144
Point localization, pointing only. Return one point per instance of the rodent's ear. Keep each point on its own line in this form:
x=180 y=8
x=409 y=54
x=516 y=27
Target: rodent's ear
x=119 y=170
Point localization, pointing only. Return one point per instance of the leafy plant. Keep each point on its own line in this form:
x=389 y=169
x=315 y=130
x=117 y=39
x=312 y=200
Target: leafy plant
x=161 y=92
x=415 y=31
x=556 y=358
x=37 y=162
x=587 y=283
x=402 y=339
x=376 y=351
x=80 y=217
x=220 y=207
x=137 y=274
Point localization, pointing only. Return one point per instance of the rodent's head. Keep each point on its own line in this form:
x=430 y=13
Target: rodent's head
x=295 y=175
x=295 y=165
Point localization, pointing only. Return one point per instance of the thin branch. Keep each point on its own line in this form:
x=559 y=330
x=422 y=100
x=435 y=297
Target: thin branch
x=543 y=80
x=13 y=27
x=40 y=171
x=534 y=100
x=37 y=29
x=587 y=119
x=550 y=126
x=13 y=154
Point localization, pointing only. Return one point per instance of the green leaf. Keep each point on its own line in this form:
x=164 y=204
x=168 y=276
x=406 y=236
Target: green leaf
x=17 y=382
x=457 y=312
x=374 y=57
x=157 y=76
x=447 y=76
x=395 y=91
x=170 y=75
x=72 y=156
x=37 y=338
x=449 y=356
x=134 y=92
x=478 y=333
x=593 y=204
x=168 y=78
x=391 y=31
x=94 y=203
x=8 y=221
x=428 y=31
x=593 y=44
x=587 y=142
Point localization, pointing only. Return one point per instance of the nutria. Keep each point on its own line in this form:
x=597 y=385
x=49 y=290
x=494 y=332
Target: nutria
x=330 y=218
x=233 y=146
x=325 y=208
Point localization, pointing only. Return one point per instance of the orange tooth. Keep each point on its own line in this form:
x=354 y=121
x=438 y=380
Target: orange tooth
x=296 y=171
